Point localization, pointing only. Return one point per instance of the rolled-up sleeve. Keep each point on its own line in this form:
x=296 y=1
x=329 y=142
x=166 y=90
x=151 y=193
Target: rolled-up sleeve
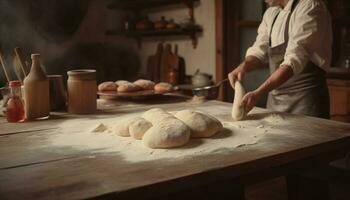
x=261 y=44
x=306 y=36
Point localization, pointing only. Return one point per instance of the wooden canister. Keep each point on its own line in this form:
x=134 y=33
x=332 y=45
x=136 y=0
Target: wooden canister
x=36 y=91
x=82 y=89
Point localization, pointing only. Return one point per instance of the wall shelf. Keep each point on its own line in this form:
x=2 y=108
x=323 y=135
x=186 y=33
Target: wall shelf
x=138 y=35
x=191 y=30
x=144 y=4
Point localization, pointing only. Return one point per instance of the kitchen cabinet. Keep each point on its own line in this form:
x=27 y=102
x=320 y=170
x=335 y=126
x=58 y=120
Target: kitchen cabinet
x=338 y=81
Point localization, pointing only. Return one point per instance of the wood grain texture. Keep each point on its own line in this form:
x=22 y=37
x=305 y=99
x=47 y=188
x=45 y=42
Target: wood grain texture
x=64 y=173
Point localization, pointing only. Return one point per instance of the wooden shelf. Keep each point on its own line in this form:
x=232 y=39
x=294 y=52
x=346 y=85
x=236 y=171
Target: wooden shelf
x=191 y=32
x=144 y=4
x=138 y=5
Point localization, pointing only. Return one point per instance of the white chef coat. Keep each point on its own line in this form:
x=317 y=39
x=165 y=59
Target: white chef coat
x=310 y=35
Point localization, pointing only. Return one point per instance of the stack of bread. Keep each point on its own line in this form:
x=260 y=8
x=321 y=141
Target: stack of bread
x=141 y=84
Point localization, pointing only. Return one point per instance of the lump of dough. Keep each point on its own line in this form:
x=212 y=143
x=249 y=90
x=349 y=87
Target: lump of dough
x=107 y=86
x=128 y=87
x=167 y=133
x=238 y=112
x=156 y=114
x=138 y=127
x=145 y=84
x=99 y=128
x=202 y=125
x=163 y=87
x=121 y=128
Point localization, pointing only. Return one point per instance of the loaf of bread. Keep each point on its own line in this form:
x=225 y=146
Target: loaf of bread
x=128 y=87
x=163 y=87
x=145 y=84
x=107 y=86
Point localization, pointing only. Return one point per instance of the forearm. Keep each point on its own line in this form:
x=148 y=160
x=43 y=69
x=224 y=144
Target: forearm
x=251 y=63
x=280 y=76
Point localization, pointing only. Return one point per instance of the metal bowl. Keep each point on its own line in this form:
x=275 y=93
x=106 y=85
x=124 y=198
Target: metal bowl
x=209 y=92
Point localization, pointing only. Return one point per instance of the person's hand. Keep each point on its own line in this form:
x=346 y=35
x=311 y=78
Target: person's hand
x=250 y=100
x=236 y=74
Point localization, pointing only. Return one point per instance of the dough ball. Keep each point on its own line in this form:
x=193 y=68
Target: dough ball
x=167 y=133
x=145 y=84
x=121 y=128
x=107 y=86
x=156 y=114
x=138 y=127
x=163 y=87
x=128 y=87
x=201 y=125
x=122 y=82
x=238 y=112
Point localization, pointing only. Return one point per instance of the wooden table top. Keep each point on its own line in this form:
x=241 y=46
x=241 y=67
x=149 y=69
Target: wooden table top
x=31 y=169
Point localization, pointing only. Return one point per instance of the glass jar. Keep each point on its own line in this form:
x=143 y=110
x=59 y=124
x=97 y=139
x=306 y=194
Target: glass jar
x=15 y=105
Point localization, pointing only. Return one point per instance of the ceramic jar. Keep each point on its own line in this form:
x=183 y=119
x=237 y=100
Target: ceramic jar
x=82 y=89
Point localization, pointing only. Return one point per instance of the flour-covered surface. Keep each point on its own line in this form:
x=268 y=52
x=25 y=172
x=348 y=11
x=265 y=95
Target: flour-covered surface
x=90 y=135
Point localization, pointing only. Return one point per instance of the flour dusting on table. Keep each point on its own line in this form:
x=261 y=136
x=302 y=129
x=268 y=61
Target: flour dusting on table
x=91 y=135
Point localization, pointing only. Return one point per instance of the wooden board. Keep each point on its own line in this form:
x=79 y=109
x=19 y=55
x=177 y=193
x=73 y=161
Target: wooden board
x=169 y=61
x=153 y=64
x=65 y=173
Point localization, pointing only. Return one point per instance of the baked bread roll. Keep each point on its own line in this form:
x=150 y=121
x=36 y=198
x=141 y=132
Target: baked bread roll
x=107 y=86
x=122 y=82
x=128 y=87
x=163 y=87
x=145 y=84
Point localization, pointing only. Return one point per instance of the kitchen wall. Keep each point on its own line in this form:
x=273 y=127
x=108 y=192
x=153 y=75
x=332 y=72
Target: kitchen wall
x=42 y=26
x=203 y=57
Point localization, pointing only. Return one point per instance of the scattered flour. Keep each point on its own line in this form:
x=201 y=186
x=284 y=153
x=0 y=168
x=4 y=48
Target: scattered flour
x=78 y=135
x=275 y=119
x=81 y=138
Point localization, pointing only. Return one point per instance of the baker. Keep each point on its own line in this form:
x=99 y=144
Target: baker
x=294 y=39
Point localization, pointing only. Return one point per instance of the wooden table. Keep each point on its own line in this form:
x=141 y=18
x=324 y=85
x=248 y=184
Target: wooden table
x=28 y=171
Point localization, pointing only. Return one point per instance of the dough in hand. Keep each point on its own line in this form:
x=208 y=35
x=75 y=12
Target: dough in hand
x=138 y=127
x=145 y=84
x=167 y=133
x=128 y=87
x=156 y=114
x=121 y=128
x=201 y=125
x=238 y=112
x=163 y=87
x=107 y=86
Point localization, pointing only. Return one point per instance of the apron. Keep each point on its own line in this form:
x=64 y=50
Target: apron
x=305 y=93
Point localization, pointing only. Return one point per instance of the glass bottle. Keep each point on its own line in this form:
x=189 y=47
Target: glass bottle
x=15 y=105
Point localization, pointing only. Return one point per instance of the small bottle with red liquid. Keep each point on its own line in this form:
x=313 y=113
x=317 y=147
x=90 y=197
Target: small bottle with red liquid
x=15 y=104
